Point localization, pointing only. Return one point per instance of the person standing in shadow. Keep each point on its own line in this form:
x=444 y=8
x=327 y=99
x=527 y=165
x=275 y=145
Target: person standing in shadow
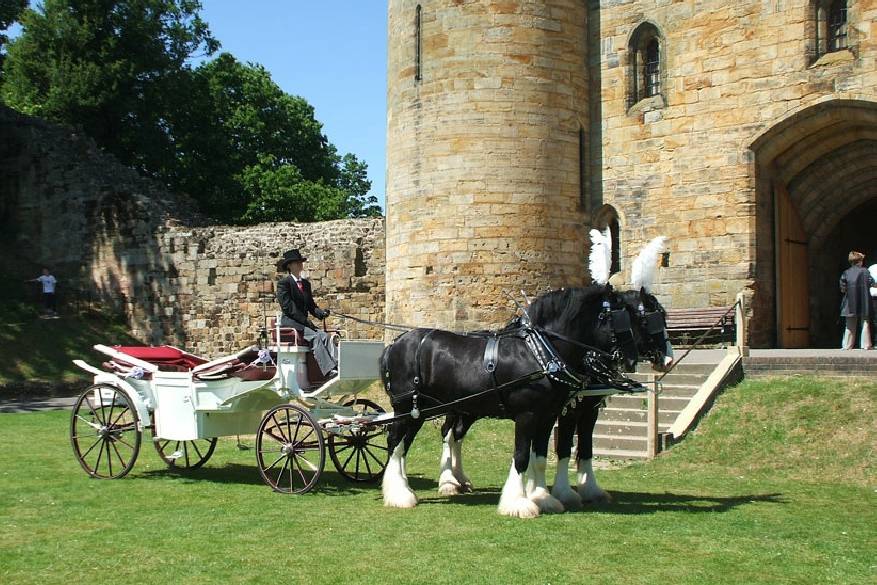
x=855 y=284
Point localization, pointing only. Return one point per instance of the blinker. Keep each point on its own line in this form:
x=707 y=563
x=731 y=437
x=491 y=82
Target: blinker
x=620 y=321
x=654 y=323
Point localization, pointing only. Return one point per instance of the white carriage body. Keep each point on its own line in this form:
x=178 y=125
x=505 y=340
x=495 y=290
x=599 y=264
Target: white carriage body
x=182 y=406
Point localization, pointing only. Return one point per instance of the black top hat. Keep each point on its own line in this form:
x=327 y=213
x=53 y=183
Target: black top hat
x=290 y=256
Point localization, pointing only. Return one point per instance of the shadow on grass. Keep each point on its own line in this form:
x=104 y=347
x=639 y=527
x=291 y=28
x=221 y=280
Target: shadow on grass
x=330 y=482
x=637 y=503
x=632 y=503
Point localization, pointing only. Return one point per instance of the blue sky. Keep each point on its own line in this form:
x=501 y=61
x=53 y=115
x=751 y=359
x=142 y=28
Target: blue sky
x=333 y=53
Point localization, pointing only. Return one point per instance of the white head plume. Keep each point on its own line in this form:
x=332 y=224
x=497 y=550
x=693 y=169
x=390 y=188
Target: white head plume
x=601 y=256
x=642 y=273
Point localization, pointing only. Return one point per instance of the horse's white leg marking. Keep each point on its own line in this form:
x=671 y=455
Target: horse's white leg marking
x=561 y=490
x=448 y=484
x=452 y=480
x=588 y=488
x=537 y=490
x=513 y=501
x=457 y=464
x=668 y=352
x=397 y=494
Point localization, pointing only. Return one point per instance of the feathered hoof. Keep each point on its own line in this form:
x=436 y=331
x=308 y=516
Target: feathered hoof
x=547 y=503
x=399 y=498
x=465 y=487
x=518 y=508
x=450 y=488
x=570 y=499
x=595 y=496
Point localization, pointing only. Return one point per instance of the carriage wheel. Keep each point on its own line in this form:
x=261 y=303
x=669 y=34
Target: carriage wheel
x=185 y=454
x=361 y=455
x=104 y=432
x=290 y=449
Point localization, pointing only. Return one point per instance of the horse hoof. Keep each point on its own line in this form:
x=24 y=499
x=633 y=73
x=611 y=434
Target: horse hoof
x=570 y=500
x=400 y=499
x=595 y=497
x=450 y=489
x=466 y=487
x=547 y=503
x=518 y=508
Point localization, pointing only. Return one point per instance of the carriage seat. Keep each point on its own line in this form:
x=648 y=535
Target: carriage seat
x=242 y=365
x=167 y=357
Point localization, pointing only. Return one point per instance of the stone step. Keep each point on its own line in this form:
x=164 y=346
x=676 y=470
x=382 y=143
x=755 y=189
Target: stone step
x=625 y=429
x=683 y=368
x=668 y=403
x=863 y=364
x=620 y=453
x=623 y=415
x=676 y=379
x=679 y=391
x=607 y=443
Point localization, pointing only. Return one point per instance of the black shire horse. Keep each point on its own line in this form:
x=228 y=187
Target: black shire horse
x=430 y=373
x=650 y=331
x=649 y=334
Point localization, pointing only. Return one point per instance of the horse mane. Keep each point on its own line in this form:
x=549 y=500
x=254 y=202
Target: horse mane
x=564 y=305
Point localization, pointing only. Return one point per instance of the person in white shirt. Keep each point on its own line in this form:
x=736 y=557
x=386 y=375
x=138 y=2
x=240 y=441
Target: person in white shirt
x=48 y=283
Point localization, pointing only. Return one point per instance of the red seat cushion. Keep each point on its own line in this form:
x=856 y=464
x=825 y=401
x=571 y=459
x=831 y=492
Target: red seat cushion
x=161 y=355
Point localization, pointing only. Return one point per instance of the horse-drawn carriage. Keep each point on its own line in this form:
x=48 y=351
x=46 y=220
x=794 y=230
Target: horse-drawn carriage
x=554 y=363
x=188 y=402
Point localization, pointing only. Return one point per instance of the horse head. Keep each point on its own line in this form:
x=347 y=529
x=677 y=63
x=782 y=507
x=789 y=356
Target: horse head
x=650 y=328
x=596 y=316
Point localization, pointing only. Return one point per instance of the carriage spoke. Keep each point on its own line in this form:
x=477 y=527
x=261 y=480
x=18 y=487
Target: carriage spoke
x=307 y=461
x=304 y=480
x=349 y=457
x=376 y=458
x=100 y=453
x=282 y=469
x=119 y=455
x=310 y=446
x=121 y=414
x=276 y=461
x=91 y=424
x=278 y=427
x=198 y=451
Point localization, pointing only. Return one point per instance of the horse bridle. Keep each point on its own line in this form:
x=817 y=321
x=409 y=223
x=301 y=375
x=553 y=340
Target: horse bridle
x=621 y=333
x=652 y=323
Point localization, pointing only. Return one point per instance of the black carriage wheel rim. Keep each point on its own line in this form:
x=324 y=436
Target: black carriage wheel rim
x=104 y=432
x=290 y=450
x=193 y=453
x=357 y=456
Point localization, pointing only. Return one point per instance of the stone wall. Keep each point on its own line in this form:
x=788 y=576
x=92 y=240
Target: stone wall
x=483 y=156
x=683 y=163
x=107 y=231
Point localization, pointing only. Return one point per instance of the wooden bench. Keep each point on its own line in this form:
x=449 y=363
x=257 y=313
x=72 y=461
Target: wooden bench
x=685 y=326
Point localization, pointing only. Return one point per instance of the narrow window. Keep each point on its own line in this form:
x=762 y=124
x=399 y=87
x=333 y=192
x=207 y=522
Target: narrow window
x=417 y=43
x=645 y=67
x=837 y=26
x=653 y=68
x=583 y=192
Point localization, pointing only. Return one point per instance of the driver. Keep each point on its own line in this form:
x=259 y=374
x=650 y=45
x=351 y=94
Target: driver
x=296 y=301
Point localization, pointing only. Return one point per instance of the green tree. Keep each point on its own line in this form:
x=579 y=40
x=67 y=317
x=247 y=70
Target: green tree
x=9 y=13
x=250 y=152
x=114 y=67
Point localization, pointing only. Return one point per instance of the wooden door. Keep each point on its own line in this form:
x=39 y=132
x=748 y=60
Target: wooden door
x=793 y=294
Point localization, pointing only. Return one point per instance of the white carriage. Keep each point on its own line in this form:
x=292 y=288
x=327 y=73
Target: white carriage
x=188 y=402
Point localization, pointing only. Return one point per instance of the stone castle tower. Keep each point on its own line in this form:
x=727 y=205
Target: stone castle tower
x=487 y=107
x=744 y=130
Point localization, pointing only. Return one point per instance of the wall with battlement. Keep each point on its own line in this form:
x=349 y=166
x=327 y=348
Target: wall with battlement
x=141 y=250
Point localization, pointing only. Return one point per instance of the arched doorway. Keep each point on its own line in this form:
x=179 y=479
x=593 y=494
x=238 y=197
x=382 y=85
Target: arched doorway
x=816 y=180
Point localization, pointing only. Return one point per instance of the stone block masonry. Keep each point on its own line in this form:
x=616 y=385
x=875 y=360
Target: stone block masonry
x=107 y=231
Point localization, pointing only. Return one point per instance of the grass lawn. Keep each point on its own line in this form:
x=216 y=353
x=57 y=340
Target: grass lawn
x=776 y=486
